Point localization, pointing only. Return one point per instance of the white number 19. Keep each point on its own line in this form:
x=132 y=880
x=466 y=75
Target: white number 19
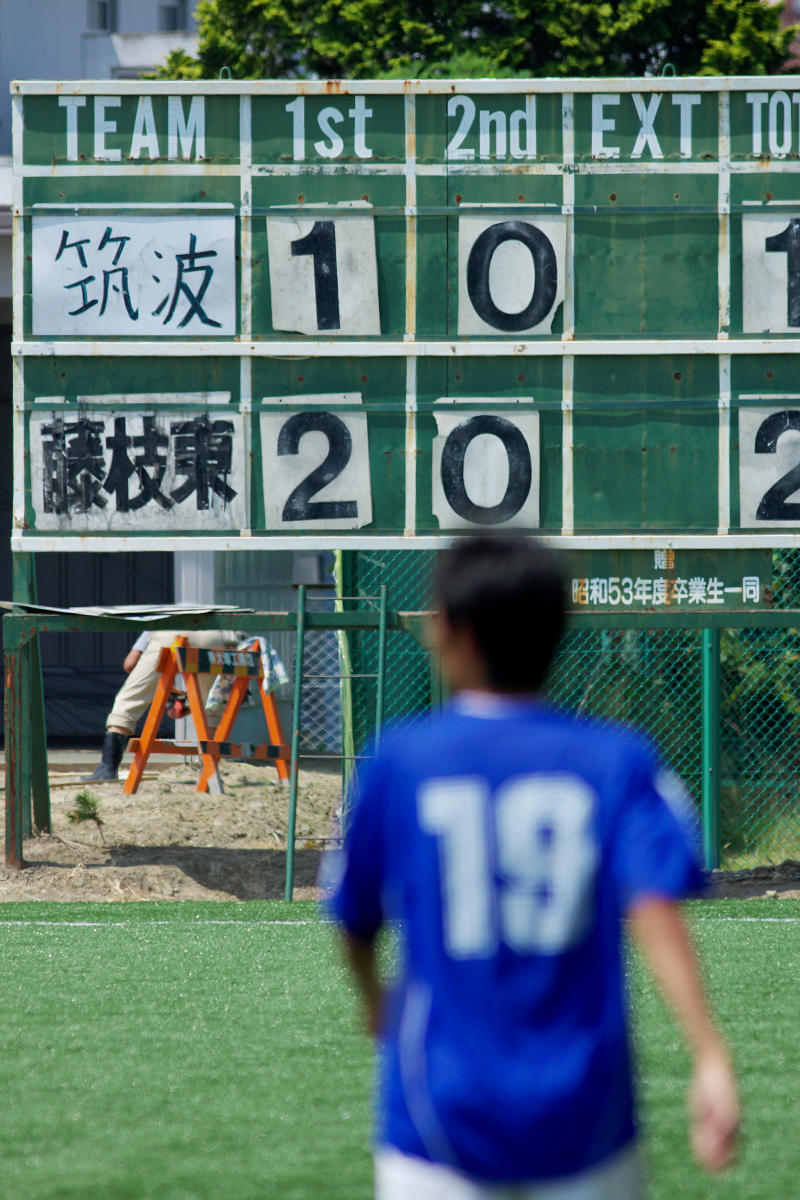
x=539 y=831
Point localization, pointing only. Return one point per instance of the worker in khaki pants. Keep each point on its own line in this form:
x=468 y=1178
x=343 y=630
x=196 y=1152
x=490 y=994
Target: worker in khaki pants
x=134 y=697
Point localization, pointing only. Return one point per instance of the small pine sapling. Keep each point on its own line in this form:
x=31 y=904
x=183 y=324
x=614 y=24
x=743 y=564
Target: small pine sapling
x=87 y=808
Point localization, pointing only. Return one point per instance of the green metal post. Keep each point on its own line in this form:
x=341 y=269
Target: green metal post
x=343 y=575
x=29 y=751
x=381 y=670
x=40 y=782
x=298 y=691
x=711 y=751
x=14 y=742
x=34 y=746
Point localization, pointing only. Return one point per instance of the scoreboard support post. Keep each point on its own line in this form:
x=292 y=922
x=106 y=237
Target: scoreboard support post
x=24 y=590
x=296 y=710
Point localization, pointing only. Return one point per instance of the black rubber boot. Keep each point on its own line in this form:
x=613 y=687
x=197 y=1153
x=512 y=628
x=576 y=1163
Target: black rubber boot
x=113 y=748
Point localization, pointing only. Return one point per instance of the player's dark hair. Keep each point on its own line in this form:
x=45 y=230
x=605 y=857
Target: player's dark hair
x=510 y=591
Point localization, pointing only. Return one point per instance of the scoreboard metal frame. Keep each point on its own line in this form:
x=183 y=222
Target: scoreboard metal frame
x=289 y=315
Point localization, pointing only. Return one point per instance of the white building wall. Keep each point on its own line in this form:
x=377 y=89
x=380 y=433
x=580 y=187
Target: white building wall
x=39 y=39
x=142 y=16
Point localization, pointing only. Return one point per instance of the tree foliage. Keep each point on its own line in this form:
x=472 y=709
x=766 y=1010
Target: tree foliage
x=361 y=39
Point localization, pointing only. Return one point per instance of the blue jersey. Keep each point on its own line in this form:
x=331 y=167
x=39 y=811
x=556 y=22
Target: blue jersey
x=509 y=840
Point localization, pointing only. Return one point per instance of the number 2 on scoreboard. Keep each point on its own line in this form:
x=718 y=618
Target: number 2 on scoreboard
x=315 y=457
x=769 y=466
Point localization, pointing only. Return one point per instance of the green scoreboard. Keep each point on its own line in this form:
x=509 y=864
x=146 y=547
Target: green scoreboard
x=318 y=314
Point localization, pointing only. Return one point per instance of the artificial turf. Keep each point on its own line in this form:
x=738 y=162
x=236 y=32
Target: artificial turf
x=179 y=1052
x=194 y=1051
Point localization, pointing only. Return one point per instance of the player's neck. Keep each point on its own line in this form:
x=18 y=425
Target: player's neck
x=490 y=702
x=487 y=692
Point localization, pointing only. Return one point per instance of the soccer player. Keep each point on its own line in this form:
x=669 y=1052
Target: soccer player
x=511 y=842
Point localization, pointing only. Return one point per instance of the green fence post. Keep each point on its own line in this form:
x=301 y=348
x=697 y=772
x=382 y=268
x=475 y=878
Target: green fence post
x=343 y=574
x=381 y=669
x=711 y=751
x=40 y=783
x=298 y=691
x=15 y=724
x=34 y=744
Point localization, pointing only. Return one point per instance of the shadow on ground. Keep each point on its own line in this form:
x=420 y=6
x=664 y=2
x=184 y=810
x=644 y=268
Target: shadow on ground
x=57 y=869
x=243 y=874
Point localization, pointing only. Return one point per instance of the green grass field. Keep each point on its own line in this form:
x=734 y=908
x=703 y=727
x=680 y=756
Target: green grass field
x=213 y=1052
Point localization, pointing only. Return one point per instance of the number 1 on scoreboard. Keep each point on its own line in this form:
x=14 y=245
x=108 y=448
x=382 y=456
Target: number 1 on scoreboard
x=323 y=273
x=771 y=272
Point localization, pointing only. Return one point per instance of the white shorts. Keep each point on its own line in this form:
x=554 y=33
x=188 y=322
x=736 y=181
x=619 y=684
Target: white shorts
x=401 y=1177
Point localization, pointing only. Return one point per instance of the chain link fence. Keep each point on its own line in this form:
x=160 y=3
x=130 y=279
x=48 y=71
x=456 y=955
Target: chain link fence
x=406 y=575
x=650 y=678
x=321 y=709
x=760 y=751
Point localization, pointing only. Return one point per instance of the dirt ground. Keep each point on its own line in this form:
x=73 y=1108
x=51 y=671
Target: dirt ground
x=781 y=881
x=168 y=842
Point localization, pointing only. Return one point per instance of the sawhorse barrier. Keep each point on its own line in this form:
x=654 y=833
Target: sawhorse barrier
x=190 y=662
